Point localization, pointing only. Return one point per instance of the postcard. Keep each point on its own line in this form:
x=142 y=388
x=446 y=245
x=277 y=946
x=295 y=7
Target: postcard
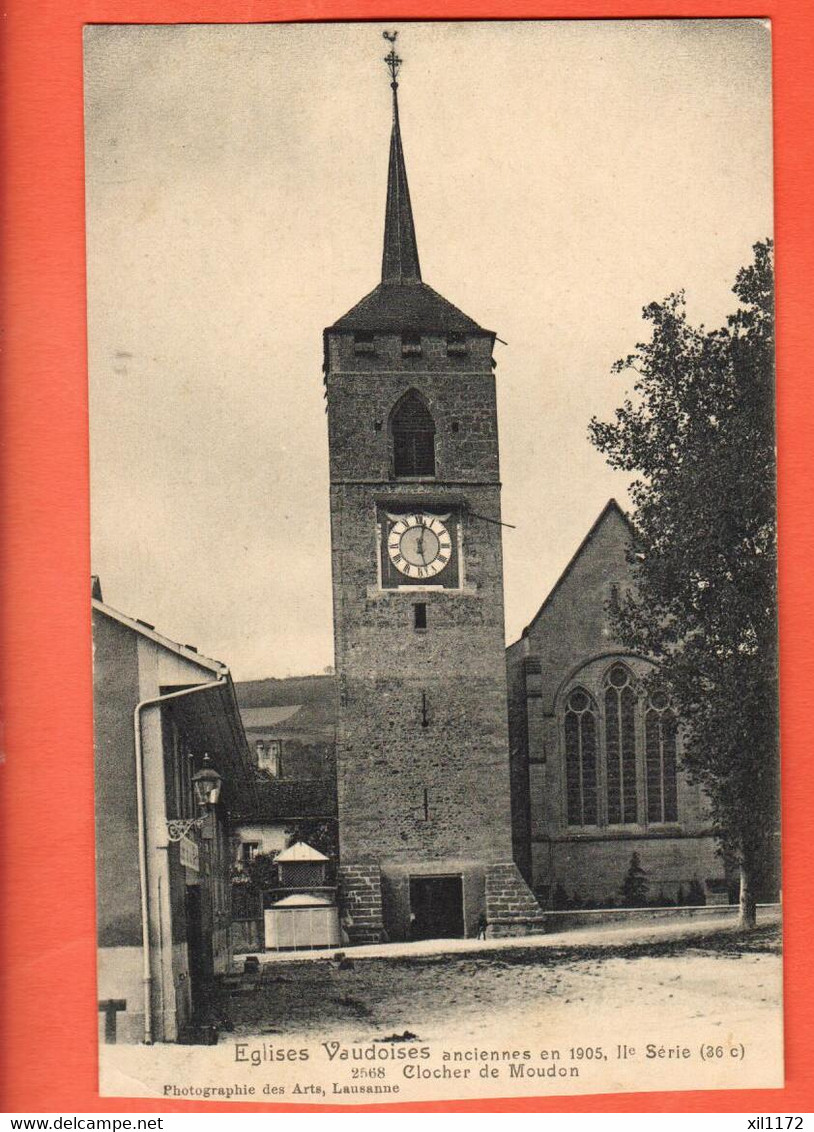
x=431 y=373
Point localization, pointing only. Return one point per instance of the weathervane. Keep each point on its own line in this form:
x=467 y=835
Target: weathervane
x=392 y=59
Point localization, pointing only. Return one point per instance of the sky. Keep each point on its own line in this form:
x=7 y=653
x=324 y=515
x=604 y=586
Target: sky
x=563 y=174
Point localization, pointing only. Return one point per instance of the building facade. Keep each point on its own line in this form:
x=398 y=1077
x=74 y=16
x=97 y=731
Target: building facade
x=291 y=730
x=422 y=753
x=596 y=749
x=165 y=717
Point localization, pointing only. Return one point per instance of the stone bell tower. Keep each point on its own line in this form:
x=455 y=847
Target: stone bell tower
x=422 y=742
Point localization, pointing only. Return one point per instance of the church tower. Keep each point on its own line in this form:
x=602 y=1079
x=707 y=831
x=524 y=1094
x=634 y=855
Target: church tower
x=422 y=740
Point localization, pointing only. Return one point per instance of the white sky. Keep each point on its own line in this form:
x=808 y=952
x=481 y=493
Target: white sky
x=562 y=175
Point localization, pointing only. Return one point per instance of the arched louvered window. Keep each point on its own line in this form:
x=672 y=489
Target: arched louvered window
x=580 y=758
x=660 y=738
x=620 y=745
x=413 y=432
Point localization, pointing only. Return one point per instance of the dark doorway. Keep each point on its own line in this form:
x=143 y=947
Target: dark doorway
x=196 y=950
x=436 y=907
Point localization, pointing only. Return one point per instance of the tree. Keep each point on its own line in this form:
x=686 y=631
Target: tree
x=698 y=435
x=319 y=833
x=634 y=887
x=262 y=870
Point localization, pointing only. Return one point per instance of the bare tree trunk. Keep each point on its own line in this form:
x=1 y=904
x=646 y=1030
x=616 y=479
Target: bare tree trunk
x=748 y=906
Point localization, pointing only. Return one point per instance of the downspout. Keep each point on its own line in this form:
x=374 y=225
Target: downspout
x=147 y=976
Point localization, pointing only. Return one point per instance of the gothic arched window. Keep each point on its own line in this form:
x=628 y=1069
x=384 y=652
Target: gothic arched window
x=660 y=728
x=580 y=758
x=413 y=432
x=620 y=745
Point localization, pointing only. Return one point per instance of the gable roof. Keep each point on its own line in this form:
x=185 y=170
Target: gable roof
x=236 y=751
x=287 y=799
x=610 y=508
x=144 y=629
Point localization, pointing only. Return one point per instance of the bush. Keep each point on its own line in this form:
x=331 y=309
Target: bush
x=634 y=887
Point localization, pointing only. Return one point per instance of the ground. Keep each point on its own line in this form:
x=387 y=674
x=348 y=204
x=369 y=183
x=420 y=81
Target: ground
x=437 y=994
x=626 y=1009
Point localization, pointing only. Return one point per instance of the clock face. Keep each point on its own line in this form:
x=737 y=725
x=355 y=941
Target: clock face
x=419 y=545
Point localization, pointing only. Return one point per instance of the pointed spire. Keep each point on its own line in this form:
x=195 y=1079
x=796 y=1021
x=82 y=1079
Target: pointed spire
x=400 y=257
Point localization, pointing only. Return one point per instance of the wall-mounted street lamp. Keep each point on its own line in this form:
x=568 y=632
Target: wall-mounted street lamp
x=206 y=784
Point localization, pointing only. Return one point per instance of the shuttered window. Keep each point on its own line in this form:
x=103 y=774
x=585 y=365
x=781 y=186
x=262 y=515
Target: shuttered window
x=413 y=438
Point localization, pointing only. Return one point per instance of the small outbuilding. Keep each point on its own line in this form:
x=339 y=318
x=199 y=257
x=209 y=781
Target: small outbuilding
x=306 y=919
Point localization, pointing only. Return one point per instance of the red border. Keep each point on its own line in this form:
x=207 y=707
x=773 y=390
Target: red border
x=48 y=1043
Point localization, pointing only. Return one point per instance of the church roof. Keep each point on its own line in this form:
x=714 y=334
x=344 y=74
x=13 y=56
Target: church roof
x=406 y=306
x=611 y=508
x=400 y=255
x=402 y=301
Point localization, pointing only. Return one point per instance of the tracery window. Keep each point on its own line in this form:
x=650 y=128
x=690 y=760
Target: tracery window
x=660 y=730
x=620 y=746
x=413 y=432
x=580 y=758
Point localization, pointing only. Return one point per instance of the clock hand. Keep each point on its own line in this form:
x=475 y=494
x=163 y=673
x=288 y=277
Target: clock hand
x=420 y=545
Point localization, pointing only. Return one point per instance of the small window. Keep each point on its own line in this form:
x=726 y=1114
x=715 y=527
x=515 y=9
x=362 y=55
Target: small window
x=456 y=343
x=410 y=345
x=420 y=615
x=248 y=851
x=455 y=426
x=364 y=344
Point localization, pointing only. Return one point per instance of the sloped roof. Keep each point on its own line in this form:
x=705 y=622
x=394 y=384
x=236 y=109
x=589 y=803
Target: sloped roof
x=300 y=851
x=303 y=900
x=146 y=630
x=284 y=799
x=398 y=307
x=268 y=716
x=402 y=302
x=400 y=256
x=239 y=775
x=299 y=705
x=610 y=508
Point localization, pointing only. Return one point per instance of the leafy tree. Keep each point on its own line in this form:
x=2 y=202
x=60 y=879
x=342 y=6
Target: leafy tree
x=319 y=833
x=698 y=435
x=262 y=870
x=635 y=885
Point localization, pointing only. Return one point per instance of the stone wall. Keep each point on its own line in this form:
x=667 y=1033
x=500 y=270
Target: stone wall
x=422 y=737
x=593 y=870
x=510 y=908
x=571 y=640
x=360 y=895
